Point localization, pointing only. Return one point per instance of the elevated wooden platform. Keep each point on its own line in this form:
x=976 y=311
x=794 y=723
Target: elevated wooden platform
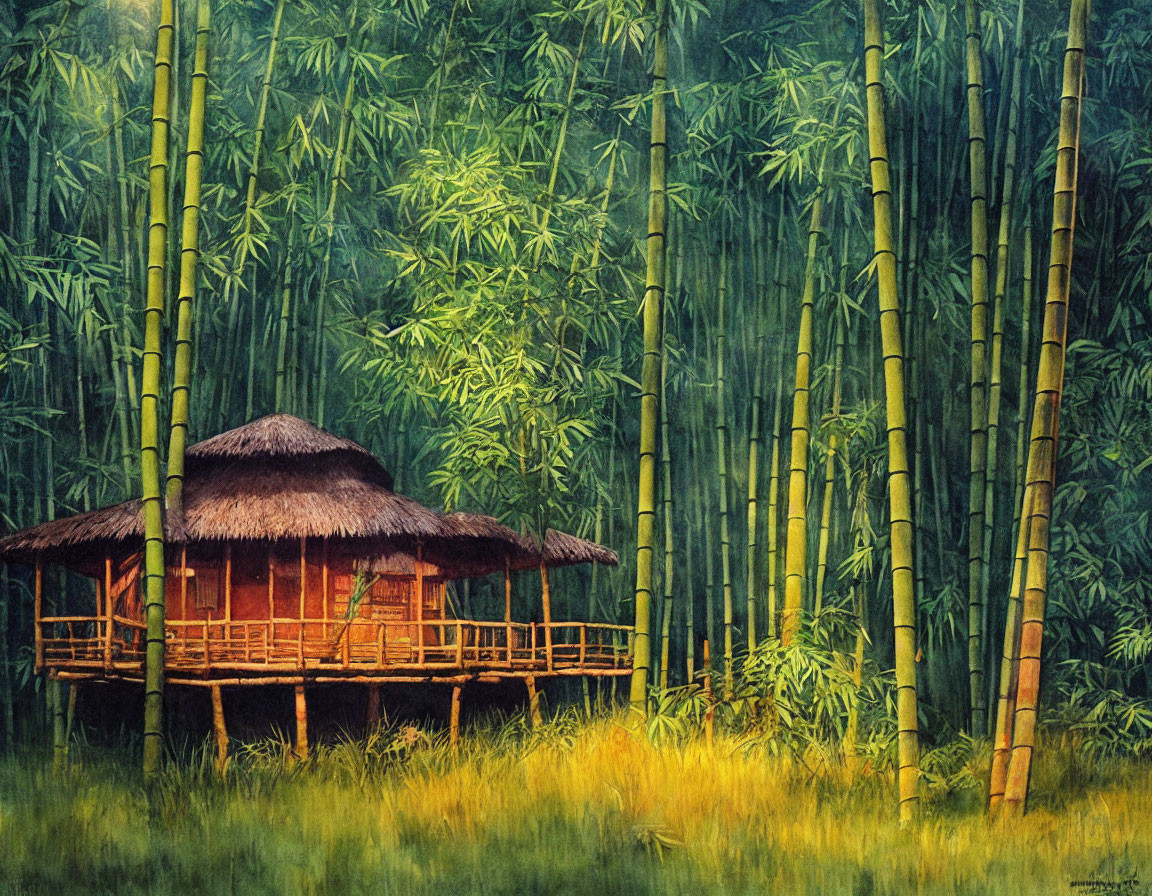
x=292 y=651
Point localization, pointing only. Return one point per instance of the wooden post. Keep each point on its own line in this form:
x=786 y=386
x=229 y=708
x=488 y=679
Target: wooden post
x=303 y=590
x=301 y=723
x=546 y=600
x=460 y=644
x=508 y=604
x=324 y=582
x=533 y=701
x=454 y=718
x=228 y=582
x=373 y=713
x=420 y=603
x=271 y=585
x=39 y=611
x=583 y=643
x=270 y=641
x=220 y=730
x=109 y=607
x=183 y=582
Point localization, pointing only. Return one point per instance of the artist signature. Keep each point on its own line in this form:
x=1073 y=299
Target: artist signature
x=1105 y=887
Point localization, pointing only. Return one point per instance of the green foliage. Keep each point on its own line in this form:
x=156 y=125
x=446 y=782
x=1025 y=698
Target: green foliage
x=1101 y=613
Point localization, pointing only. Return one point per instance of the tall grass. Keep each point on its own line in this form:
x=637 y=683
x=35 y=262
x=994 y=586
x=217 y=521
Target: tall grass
x=573 y=807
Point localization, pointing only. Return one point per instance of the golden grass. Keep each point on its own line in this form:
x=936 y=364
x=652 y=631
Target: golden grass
x=570 y=809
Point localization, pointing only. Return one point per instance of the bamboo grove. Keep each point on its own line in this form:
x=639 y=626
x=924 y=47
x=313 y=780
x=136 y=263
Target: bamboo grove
x=747 y=292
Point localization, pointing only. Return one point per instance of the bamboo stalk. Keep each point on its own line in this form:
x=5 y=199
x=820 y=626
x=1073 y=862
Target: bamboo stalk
x=669 y=564
x=754 y=436
x=1000 y=290
x=979 y=374
x=1046 y=413
x=189 y=259
x=722 y=469
x=796 y=543
x=649 y=400
x=899 y=492
x=154 y=571
x=829 y=468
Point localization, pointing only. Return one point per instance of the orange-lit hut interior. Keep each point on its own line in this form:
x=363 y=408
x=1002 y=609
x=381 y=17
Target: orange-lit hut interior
x=296 y=562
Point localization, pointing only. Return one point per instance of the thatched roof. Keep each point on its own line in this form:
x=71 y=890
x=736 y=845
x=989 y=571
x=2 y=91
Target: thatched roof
x=241 y=500
x=277 y=435
x=282 y=478
x=560 y=548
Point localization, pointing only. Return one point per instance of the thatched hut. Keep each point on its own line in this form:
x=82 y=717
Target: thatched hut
x=296 y=562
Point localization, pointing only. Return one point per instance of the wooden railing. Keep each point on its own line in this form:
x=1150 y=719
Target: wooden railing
x=93 y=642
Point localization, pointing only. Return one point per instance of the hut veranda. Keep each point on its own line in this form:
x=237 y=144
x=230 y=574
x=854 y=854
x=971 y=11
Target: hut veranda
x=297 y=564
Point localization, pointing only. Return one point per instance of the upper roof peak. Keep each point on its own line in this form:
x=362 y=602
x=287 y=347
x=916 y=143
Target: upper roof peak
x=276 y=435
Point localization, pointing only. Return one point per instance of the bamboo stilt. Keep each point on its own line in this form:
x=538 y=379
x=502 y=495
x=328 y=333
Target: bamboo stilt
x=301 y=723
x=533 y=701
x=454 y=722
x=373 y=711
x=59 y=728
x=219 y=729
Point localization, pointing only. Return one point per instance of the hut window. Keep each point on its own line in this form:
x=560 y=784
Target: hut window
x=204 y=584
x=394 y=591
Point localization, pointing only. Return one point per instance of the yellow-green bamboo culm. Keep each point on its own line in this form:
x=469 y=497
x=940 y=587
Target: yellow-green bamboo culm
x=189 y=258
x=722 y=463
x=824 y=538
x=650 y=369
x=754 y=428
x=669 y=560
x=899 y=491
x=995 y=372
x=979 y=385
x=1041 y=473
x=154 y=569
x=250 y=198
x=773 y=533
x=796 y=536
x=329 y=222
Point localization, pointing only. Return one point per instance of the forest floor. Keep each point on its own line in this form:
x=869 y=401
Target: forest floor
x=574 y=807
